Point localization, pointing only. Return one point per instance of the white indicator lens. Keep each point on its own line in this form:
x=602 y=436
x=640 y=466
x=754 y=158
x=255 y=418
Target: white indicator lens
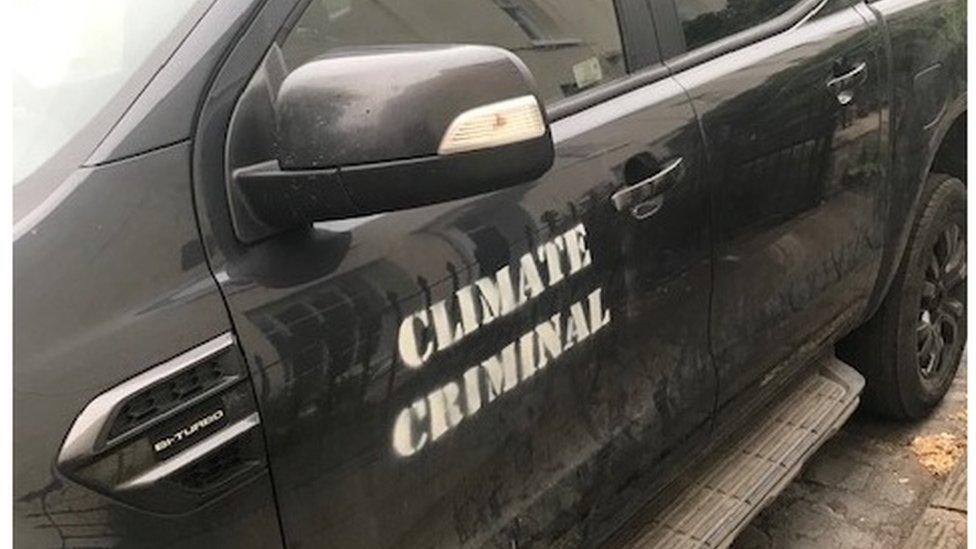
x=493 y=125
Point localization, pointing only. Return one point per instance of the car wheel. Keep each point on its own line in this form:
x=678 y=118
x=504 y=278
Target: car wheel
x=910 y=350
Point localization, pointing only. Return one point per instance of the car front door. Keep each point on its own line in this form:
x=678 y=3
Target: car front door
x=393 y=418
x=790 y=105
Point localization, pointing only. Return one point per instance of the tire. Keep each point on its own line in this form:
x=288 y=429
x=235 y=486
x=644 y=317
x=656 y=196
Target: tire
x=910 y=350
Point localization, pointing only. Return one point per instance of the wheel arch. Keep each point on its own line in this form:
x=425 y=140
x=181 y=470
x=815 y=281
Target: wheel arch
x=945 y=145
x=950 y=152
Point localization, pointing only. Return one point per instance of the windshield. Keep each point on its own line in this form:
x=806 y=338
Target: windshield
x=73 y=56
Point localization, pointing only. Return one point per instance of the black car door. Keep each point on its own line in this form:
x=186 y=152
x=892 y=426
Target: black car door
x=367 y=449
x=791 y=109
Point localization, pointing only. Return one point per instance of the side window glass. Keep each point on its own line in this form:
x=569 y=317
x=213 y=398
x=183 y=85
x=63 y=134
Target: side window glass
x=569 y=45
x=705 y=21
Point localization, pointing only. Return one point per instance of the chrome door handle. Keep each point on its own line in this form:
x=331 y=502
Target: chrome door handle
x=842 y=85
x=642 y=199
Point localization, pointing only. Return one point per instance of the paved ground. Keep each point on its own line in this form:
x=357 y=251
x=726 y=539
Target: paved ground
x=866 y=488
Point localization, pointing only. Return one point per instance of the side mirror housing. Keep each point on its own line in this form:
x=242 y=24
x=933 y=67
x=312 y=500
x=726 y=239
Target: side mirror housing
x=376 y=129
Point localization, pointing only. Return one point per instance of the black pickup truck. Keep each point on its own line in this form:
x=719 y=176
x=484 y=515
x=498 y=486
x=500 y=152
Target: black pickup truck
x=505 y=273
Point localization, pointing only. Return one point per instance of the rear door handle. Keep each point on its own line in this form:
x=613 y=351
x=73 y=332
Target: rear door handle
x=843 y=85
x=643 y=199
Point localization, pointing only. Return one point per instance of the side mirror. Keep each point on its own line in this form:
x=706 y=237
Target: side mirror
x=376 y=129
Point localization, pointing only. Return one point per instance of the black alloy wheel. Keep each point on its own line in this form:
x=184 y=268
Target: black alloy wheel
x=942 y=306
x=910 y=350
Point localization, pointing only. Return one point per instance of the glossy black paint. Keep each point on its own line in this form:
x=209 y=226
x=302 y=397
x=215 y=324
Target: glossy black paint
x=112 y=281
x=322 y=344
x=925 y=80
x=113 y=274
x=793 y=126
x=110 y=278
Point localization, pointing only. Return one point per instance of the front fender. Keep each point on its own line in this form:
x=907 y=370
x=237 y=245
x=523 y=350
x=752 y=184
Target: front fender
x=901 y=216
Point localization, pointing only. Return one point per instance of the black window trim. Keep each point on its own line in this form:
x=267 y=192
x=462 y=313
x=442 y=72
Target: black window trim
x=644 y=66
x=582 y=101
x=679 y=58
x=642 y=57
x=636 y=30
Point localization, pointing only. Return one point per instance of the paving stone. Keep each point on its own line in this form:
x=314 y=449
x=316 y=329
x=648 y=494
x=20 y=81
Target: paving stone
x=939 y=529
x=754 y=538
x=865 y=489
x=952 y=495
x=888 y=489
x=839 y=472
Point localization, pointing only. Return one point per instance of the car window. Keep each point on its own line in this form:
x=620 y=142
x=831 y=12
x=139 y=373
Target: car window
x=569 y=45
x=706 y=21
x=73 y=57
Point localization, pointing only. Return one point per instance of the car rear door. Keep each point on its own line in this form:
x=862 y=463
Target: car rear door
x=515 y=430
x=791 y=109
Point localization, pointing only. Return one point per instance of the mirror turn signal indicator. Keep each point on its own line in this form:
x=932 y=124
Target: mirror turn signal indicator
x=494 y=125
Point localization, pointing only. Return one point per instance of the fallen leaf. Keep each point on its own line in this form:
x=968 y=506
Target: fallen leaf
x=938 y=453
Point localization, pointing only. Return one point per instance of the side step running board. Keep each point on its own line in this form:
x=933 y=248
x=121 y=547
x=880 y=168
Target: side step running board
x=733 y=484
